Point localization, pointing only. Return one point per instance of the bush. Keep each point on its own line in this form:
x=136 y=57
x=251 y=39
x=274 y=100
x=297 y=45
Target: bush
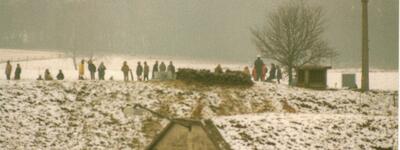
x=211 y=78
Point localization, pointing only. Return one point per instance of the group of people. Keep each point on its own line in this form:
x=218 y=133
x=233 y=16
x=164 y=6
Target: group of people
x=92 y=69
x=142 y=72
x=47 y=75
x=17 y=72
x=260 y=71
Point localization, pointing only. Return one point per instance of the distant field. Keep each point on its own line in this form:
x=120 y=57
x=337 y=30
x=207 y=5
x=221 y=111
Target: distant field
x=23 y=55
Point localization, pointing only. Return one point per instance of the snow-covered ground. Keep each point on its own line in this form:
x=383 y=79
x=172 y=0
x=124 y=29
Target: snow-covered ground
x=379 y=79
x=308 y=131
x=74 y=114
x=100 y=114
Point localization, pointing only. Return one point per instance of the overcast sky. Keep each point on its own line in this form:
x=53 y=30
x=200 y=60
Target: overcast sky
x=210 y=29
x=198 y=28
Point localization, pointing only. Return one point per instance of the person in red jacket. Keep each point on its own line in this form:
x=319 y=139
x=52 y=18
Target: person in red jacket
x=254 y=73
x=264 y=72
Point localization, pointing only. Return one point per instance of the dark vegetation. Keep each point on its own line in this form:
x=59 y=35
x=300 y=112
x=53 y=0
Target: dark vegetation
x=231 y=78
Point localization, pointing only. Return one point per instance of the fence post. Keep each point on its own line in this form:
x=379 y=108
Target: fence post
x=394 y=99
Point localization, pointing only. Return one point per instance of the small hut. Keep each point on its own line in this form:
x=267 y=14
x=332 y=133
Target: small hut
x=185 y=134
x=312 y=76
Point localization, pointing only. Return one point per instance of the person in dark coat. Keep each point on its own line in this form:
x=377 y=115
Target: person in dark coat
x=47 y=75
x=272 y=72
x=92 y=69
x=163 y=68
x=278 y=73
x=17 y=74
x=60 y=75
x=125 y=69
x=102 y=71
x=146 y=71
x=139 y=71
x=258 y=64
x=8 y=70
x=171 y=68
x=155 y=69
x=218 y=69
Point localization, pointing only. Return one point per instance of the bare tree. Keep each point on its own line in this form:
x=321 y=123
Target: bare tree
x=293 y=36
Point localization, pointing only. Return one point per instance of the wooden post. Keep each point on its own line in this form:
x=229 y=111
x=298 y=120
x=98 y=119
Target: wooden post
x=364 y=47
x=306 y=78
x=326 y=78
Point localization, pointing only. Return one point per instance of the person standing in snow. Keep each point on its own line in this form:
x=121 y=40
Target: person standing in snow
x=218 y=69
x=47 y=75
x=258 y=64
x=163 y=68
x=92 y=70
x=8 y=70
x=125 y=69
x=146 y=71
x=171 y=71
x=102 y=71
x=81 y=70
x=139 y=71
x=60 y=75
x=155 y=70
x=254 y=73
x=264 y=72
x=272 y=73
x=278 y=73
x=171 y=68
x=17 y=74
x=246 y=71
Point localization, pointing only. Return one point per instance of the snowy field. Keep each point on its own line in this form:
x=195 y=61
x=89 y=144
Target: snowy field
x=17 y=55
x=74 y=114
x=379 y=79
x=99 y=115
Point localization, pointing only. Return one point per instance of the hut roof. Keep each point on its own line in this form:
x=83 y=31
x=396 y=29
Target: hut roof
x=311 y=67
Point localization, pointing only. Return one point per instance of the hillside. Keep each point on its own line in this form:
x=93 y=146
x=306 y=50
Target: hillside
x=309 y=131
x=100 y=114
